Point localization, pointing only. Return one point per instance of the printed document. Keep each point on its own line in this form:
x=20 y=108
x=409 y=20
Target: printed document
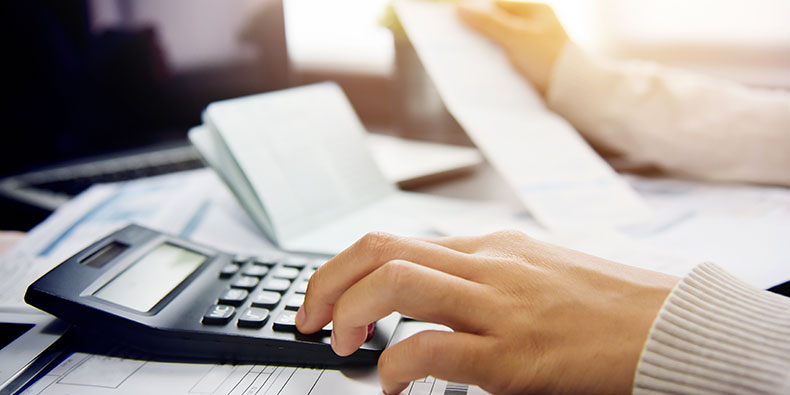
x=559 y=178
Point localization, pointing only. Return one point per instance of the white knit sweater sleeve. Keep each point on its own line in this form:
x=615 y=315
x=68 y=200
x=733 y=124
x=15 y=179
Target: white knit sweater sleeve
x=682 y=122
x=716 y=334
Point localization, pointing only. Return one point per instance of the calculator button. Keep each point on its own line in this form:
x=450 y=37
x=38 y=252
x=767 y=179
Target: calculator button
x=246 y=282
x=285 y=322
x=255 y=271
x=294 y=302
x=301 y=287
x=266 y=299
x=253 y=317
x=228 y=270
x=297 y=261
x=241 y=259
x=233 y=296
x=276 y=284
x=286 y=272
x=219 y=314
x=268 y=260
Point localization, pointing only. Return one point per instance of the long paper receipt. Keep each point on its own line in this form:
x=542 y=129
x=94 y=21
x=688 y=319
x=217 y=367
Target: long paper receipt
x=559 y=178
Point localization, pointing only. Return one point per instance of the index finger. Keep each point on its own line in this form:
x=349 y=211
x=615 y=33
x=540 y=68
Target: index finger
x=330 y=281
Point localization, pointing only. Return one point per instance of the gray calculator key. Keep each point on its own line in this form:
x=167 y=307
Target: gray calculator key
x=266 y=299
x=269 y=260
x=246 y=282
x=297 y=261
x=301 y=287
x=233 y=296
x=285 y=322
x=219 y=314
x=255 y=270
x=294 y=302
x=241 y=259
x=276 y=284
x=228 y=270
x=253 y=317
x=286 y=272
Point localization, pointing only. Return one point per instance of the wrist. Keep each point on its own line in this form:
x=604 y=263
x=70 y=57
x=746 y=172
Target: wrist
x=554 y=58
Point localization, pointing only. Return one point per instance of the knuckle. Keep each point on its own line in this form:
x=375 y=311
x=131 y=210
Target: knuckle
x=510 y=234
x=377 y=243
x=397 y=274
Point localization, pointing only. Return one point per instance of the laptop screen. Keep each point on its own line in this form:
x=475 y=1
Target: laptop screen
x=83 y=80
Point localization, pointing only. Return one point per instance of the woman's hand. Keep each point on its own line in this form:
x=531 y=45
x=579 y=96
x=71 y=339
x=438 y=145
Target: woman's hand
x=526 y=316
x=530 y=33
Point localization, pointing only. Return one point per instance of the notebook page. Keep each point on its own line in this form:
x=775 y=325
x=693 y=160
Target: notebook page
x=202 y=137
x=303 y=151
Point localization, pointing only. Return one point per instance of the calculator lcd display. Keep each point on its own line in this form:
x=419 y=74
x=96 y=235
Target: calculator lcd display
x=143 y=284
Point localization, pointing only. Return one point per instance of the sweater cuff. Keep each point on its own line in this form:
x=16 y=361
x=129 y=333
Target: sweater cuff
x=717 y=334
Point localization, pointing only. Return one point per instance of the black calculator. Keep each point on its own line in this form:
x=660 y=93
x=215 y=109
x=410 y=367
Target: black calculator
x=168 y=296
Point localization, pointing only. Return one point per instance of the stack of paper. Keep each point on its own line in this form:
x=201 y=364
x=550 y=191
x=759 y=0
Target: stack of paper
x=298 y=163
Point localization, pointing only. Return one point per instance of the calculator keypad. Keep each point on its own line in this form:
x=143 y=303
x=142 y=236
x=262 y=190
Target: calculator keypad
x=260 y=287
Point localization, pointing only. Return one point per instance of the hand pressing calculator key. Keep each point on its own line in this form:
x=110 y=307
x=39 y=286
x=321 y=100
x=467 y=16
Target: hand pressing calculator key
x=171 y=297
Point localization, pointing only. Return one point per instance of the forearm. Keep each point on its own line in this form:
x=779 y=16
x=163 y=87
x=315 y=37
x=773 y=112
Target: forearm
x=717 y=334
x=681 y=122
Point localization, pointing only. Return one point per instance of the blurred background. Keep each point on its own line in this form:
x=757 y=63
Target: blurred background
x=92 y=78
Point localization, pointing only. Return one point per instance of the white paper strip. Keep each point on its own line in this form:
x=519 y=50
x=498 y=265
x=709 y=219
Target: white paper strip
x=559 y=178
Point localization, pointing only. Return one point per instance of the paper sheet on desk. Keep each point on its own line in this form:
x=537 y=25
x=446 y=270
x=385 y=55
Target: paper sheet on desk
x=742 y=228
x=559 y=178
x=166 y=203
x=194 y=205
x=103 y=375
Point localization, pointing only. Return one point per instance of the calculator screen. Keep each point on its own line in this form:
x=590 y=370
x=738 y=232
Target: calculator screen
x=143 y=284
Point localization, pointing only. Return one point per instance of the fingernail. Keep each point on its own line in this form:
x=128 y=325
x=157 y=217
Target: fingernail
x=371 y=331
x=300 y=317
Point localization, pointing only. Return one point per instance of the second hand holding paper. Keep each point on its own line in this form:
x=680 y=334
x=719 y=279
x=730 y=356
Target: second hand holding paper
x=559 y=178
